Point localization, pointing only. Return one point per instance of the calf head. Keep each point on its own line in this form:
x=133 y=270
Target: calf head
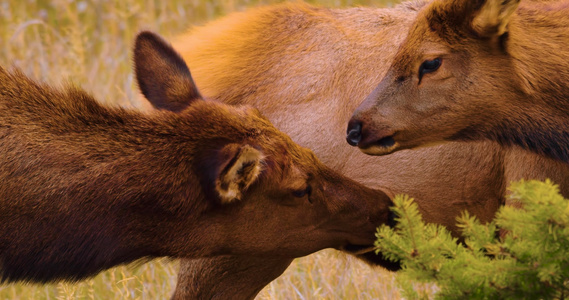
x=264 y=194
x=453 y=73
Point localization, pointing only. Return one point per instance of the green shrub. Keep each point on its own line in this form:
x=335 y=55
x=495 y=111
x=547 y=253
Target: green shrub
x=529 y=260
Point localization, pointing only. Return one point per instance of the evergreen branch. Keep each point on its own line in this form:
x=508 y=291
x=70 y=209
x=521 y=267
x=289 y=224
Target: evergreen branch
x=530 y=261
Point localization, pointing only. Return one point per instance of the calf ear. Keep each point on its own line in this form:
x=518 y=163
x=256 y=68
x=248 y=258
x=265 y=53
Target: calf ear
x=241 y=166
x=163 y=76
x=493 y=17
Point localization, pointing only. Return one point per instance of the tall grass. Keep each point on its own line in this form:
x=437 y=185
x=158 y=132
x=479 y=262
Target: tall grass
x=89 y=42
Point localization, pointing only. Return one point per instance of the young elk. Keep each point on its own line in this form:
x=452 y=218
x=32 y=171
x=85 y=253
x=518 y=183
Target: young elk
x=87 y=187
x=473 y=70
x=307 y=69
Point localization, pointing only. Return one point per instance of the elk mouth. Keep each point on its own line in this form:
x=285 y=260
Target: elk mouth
x=383 y=146
x=367 y=252
x=372 y=140
x=358 y=249
x=368 y=255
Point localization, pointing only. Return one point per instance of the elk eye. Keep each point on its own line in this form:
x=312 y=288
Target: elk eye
x=302 y=193
x=429 y=66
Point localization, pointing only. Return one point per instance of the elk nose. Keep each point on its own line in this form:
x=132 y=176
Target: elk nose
x=354 y=132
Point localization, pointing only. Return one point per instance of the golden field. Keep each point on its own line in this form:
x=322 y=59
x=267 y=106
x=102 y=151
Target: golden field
x=88 y=43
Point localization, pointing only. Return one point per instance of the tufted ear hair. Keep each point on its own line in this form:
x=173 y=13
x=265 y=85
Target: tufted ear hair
x=162 y=75
x=240 y=166
x=492 y=18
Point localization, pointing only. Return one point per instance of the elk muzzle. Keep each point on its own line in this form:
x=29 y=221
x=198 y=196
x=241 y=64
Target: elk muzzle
x=370 y=138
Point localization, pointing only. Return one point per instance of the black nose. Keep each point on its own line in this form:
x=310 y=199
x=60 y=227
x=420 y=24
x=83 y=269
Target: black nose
x=354 y=133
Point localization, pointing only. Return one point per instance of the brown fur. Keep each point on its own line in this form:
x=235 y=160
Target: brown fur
x=504 y=77
x=87 y=187
x=227 y=277
x=307 y=69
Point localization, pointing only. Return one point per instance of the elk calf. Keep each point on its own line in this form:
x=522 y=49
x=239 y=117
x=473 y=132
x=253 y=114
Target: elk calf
x=86 y=187
x=307 y=69
x=473 y=70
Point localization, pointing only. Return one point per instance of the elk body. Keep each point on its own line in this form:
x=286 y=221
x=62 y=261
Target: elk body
x=86 y=187
x=307 y=69
x=474 y=70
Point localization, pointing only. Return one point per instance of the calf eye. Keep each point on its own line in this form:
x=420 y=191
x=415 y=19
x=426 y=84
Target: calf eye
x=302 y=193
x=429 y=66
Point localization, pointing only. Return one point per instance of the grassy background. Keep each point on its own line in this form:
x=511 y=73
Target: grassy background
x=88 y=43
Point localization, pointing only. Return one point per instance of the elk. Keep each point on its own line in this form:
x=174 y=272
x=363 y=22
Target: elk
x=307 y=68
x=87 y=187
x=474 y=70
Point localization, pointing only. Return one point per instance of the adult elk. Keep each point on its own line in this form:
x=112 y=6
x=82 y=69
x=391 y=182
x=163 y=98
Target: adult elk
x=86 y=187
x=307 y=68
x=473 y=70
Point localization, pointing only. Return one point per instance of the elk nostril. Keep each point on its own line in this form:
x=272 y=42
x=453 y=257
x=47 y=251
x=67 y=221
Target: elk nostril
x=354 y=133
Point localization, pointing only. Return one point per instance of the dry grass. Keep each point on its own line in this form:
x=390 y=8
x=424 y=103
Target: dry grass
x=88 y=43
x=323 y=275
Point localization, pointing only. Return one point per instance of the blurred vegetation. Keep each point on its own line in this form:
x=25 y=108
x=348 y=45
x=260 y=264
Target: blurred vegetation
x=89 y=43
x=530 y=260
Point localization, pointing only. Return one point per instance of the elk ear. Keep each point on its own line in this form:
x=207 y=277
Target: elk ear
x=492 y=17
x=242 y=167
x=163 y=76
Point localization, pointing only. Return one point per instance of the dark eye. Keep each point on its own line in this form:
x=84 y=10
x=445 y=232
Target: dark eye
x=302 y=193
x=429 y=66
